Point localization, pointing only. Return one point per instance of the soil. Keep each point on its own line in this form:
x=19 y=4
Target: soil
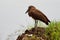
x=38 y=32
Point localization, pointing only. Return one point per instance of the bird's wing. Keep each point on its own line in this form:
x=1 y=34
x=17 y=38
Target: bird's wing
x=39 y=15
x=43 y=14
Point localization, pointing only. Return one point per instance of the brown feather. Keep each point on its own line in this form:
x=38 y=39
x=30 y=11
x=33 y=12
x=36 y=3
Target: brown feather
x=37 y=15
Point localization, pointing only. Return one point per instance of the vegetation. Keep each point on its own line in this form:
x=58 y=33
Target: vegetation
x=53 y=31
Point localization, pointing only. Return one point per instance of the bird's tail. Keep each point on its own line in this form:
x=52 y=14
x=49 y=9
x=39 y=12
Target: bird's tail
x=49 y=21
x=46 y=23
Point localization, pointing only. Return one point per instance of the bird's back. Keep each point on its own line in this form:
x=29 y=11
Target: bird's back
x=43 y=15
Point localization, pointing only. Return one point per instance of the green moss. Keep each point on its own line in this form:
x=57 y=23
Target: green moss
x=53 y=31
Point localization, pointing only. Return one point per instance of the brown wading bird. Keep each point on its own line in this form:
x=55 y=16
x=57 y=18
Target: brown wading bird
x=37 y=15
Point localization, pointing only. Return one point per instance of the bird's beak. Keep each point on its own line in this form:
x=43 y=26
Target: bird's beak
x=26 y=11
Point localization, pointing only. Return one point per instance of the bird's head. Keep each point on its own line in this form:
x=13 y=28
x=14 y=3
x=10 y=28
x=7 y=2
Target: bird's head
x=30 y=8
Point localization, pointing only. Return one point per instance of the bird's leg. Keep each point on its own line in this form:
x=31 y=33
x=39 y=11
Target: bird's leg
x=36 y=22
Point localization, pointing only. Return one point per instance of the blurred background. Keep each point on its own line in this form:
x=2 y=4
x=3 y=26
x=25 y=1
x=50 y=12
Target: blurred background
x=13 y=17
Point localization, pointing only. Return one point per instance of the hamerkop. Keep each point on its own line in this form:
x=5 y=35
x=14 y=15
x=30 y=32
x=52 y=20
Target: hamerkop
x=37 y=15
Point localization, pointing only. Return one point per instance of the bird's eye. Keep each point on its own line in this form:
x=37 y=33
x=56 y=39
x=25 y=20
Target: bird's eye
x=29 y=7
